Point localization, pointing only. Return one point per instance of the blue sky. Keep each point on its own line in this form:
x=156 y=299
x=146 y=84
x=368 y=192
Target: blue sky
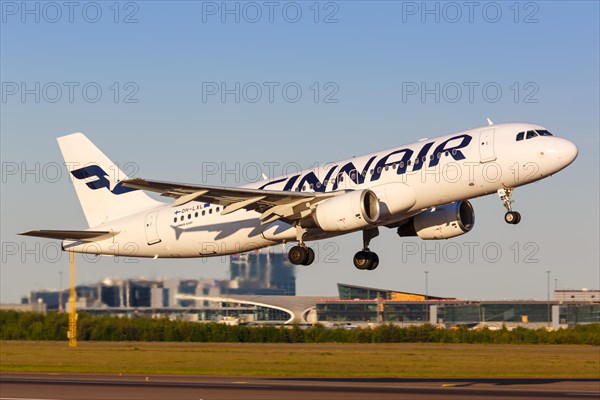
x=155 y=65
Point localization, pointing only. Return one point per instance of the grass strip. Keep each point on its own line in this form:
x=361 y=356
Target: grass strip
x=289 y=359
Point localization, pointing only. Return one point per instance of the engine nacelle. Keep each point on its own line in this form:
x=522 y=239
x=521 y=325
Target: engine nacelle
x=350 y=211
x=441 y=222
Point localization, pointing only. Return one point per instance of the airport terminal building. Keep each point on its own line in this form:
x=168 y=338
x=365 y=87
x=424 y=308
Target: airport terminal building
x=359 y=305
x=262 y=290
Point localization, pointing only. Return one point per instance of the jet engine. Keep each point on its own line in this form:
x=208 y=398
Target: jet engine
x=350 y=211
x=441 y=222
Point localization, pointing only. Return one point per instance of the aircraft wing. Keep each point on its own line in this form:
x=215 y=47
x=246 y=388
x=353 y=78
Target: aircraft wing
x=84 y=236
x=273 y=204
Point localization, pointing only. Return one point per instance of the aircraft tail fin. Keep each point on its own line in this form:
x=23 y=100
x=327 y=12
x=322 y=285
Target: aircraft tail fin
x=97 y=182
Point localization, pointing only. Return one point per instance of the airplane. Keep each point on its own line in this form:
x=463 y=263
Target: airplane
x=420 y=189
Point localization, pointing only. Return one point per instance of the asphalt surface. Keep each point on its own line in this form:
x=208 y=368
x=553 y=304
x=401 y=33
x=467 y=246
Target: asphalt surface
x=29 y=386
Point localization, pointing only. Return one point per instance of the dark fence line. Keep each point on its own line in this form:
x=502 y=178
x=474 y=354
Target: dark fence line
x=53 y=326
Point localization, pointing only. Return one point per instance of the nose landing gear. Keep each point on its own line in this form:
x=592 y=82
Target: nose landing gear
x=511 y=217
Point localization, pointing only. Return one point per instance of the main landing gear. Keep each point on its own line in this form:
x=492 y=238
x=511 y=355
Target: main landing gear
x=511 y=217
x=366 y=259
x=301 y=254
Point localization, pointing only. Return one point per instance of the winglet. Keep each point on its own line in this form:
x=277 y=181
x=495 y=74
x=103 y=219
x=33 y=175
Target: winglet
x=489 y=121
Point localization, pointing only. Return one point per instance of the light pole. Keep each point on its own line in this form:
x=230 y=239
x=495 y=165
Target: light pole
x=426 y=296
x=549 y=318
x=555 y=284
x=548 y=284
x=60 y=308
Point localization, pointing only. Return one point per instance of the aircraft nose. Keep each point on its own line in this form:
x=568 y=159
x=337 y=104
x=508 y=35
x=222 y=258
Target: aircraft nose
x=567 y=151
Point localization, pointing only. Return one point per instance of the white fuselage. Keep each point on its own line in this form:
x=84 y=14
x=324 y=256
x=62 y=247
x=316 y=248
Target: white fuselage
x=406 y=179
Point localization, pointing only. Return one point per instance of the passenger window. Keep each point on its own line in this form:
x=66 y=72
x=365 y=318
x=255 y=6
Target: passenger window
x=189 y=216
x=210 y=210
x=175 y=219
x=520 y=136
x=196 y=215
x=203 y=213
x=182 y=217
x=218 y=208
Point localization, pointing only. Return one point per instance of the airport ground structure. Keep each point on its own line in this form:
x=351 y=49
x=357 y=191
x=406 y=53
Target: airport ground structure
x=262 y=290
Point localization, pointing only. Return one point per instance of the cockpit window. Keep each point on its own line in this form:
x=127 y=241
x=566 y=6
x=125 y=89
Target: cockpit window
x=543 y=132
x=520 y=136
x=531 y=134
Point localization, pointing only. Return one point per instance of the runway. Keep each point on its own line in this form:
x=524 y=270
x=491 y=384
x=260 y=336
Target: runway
x=38 y=386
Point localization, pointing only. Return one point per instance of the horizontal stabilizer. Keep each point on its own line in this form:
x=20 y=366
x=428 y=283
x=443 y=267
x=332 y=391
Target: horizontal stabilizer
x=84 y=236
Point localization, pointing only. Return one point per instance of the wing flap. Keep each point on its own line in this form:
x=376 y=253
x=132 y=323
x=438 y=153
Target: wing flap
x=272 y=204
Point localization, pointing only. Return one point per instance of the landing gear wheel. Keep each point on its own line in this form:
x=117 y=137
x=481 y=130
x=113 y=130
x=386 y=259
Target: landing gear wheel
x=310 y=256
x=518 y=217
x=512 y=217
x=366 y=260
x=298 y=255
x=362 y=260
x=374 y=261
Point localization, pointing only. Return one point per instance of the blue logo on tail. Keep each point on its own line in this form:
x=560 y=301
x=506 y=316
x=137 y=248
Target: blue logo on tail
x=101 y=182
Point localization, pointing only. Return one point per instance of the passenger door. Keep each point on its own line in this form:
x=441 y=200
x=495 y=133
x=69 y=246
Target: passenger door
x=151 y=228
x=486 y=145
